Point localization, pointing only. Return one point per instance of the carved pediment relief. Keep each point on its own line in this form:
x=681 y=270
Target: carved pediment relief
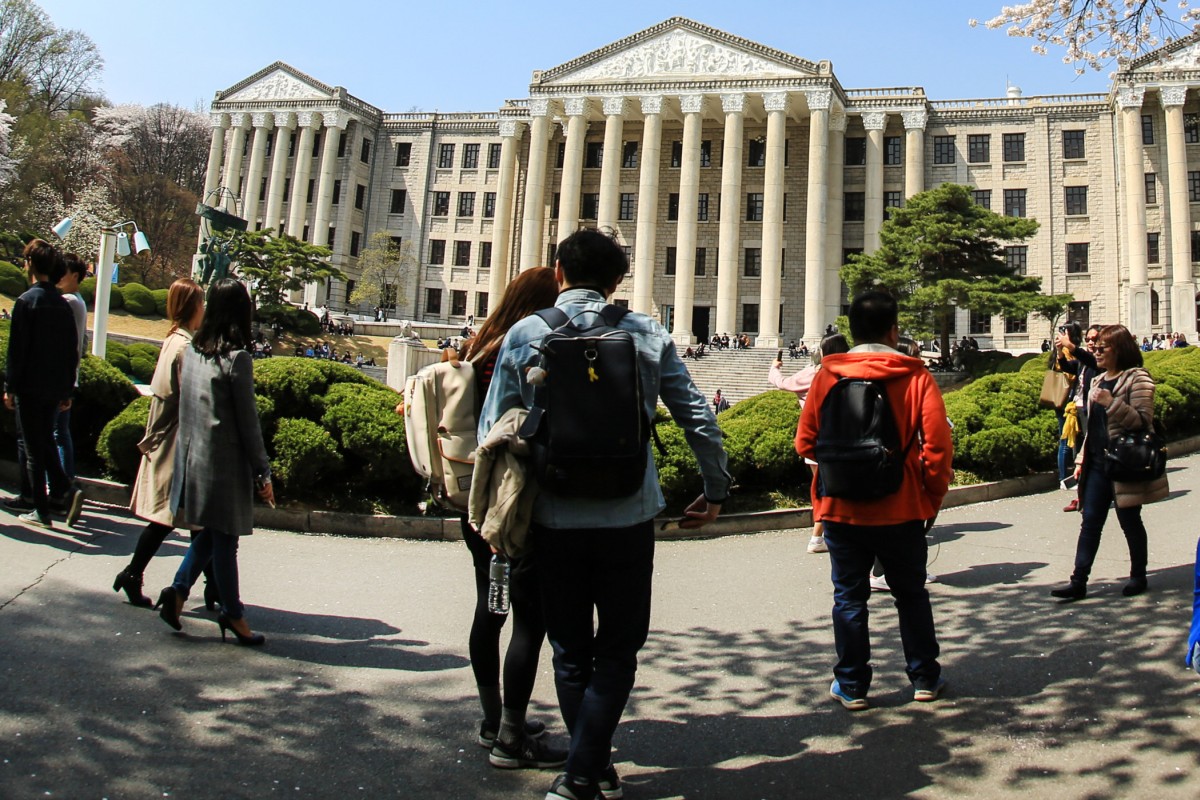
x=1183 y=59
x=278 y=84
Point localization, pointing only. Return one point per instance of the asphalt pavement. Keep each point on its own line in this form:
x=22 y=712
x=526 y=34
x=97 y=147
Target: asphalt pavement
x=363 y=688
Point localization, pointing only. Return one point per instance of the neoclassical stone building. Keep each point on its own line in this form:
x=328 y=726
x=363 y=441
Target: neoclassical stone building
x=737 y=176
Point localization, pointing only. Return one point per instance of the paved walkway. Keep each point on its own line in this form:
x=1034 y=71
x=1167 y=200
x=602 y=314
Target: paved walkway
x=364 y=690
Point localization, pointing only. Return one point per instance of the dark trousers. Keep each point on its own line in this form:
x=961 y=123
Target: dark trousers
x=529 y=627
x=1098 y=496
x=210 y=545
x=902 y=550
x=608 y=572
x=65 y=443
x=35 y=418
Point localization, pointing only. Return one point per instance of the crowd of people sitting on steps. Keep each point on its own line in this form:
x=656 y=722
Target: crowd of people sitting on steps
x=323 y=350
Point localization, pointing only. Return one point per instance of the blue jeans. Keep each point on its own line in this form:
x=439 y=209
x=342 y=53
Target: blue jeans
x=1098 y=496
x=902 y=550
x=1066 y=456
x=608 y=572
x=66 y=445
x=210 y=545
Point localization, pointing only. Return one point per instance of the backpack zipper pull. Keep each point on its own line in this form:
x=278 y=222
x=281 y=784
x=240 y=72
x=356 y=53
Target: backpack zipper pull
x=590 y=355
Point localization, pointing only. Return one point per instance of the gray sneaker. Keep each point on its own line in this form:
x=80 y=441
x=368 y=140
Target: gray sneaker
x=529 y=753
x=32 y=519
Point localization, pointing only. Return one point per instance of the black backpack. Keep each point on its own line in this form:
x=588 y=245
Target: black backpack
x=588 y=427
x=858 y=444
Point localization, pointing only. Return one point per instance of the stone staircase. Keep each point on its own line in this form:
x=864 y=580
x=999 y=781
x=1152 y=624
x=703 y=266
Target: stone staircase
x=738 y=373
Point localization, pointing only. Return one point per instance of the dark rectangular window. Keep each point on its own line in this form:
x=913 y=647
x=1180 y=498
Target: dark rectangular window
x=676 y=154
x=943 y=149
x=342 y=141
x=262 y=190
x=433 y=301
x=628 y=206
x=462 y=254
x=593 y=155
x=470 y=161
x=287 y=190
x=365 y=155
x=489 y=205
x=1194 y=187
x=485 y=255
x=706 y=153
x=669 y=267
x=316 y=148
x=397 y=240
x=304 y=235
x=892 y=200
x=1147 y=129
x=753 y=262
x=979 y=148
x=399 y=199
x=750 y=317
x=466 y=204
x=308 y=196
x=494 y=151
x=982 y=197
x=403 y=153
x=754 y=207
x=1073 y=144
x=1195 y=245
x=441 y=204
x=1191 y=128
x=360 y=196
x=856 y=151
x=1014 y=147
x=589 y=207
x=673 y=206
x=329 y=240
x=481 y=304
x=337 y=192
x=1016 y=325
x=1076 y=200
x=355 y=240
x=1014 y=202
x=554 y=203
x=979 y=322
x=1151 y=188
x=458 y=302
x=702 y=207
x=1152 y=255
x=291 y=145
x=629 y=155
x=437 y=251
x=561 y=155
x=856 y=206
x=446 y=156
x=1016 y=258
x=1077 y=258
x=893 y=151
x=756 y=153
x=701 y=255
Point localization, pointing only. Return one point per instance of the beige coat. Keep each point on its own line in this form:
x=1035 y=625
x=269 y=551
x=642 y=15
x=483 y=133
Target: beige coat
x=501 y=504
x=151 y=498
x=1132 y=409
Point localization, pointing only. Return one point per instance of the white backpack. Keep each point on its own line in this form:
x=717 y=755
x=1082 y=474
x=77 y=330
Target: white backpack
x=441 y=411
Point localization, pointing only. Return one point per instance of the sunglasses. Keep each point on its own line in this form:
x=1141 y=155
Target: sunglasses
x=1100 y=348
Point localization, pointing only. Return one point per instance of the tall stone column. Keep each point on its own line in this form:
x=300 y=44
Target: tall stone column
x=874 y=122
x=572 y=173
x=1183 y=286
x=233 y=161
x=914 y=151
x=835 y=212
x=298 y=208
x=610 y=166
x=1129 y=98
x=816 y=218
x=216 y=152
x=334 y=122
x=502 y=226
x=692 y=106
x=252 y=195
x=646 y=240
x=284 y=123
x=533 y=221
x=730 y=242
x=776 y=105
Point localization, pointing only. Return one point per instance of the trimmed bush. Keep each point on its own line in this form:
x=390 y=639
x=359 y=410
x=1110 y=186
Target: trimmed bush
x=142 y=368
x=297 y=385
x=760 y=440
x=371 y=436
x=306 y=457
x=13 y=280
x=87 y=290
x=290 y=318
x=103 y=393
x=138 y=300
x=117 y=445
x=116 y=300
x=160 y=301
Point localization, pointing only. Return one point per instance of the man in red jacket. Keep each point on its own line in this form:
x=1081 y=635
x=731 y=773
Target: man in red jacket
x=893 y=527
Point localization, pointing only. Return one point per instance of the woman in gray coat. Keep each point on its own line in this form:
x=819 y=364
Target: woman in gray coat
x=219 y=456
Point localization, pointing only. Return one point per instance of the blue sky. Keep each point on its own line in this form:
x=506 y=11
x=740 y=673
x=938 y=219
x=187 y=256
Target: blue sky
x=471 y=56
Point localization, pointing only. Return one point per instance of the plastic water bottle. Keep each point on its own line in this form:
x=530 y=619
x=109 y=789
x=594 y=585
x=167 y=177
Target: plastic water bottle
x=498 y=590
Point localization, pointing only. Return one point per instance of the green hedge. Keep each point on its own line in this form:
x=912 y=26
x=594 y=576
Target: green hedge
x=136 y=360
x=116 y=299
x=103 y=394
x=371 y=437
x=117 y=445
x=297 y=385
x=290 y=318
x=306 y=458
x=138 y=300
x=13 y=280
x=160 y=301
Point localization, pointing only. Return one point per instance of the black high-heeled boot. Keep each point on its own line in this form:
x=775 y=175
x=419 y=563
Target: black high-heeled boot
x=168 y=605
x=212 y=597
x=132 y=584
x=226 y=624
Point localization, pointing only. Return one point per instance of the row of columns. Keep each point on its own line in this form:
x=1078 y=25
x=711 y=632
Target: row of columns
x=823 y=251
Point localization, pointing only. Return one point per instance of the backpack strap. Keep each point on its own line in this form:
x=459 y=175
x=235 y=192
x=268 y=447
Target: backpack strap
x=554 y=316
x=613 y=314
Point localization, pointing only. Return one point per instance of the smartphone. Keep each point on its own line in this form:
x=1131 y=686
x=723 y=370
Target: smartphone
x=779 y=355
x=1069 y=482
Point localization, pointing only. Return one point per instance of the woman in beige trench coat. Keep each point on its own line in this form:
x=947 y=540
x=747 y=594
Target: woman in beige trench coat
x=151 y=498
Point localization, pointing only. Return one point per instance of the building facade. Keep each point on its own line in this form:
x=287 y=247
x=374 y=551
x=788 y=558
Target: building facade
x=738 y=178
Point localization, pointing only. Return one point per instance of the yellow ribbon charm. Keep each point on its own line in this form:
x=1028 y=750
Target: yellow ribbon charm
x=592 y=376
x=1070 y=430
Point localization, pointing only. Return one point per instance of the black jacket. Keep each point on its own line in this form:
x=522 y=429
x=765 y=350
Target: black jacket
x=43 y=347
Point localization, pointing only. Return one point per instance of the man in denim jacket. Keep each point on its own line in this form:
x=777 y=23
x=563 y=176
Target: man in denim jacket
x=598 y=554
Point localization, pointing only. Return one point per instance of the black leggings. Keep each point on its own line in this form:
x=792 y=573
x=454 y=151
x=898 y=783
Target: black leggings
x=529 y=627
x=153 y=535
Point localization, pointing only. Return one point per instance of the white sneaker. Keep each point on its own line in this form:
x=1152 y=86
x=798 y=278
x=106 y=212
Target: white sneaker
x=930 y=577
x=879 y=583
x=35 y=521
x=817 y=545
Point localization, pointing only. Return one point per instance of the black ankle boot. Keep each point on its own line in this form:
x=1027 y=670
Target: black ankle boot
x=1072 y=591
x=1135 y=587
x=132 y=584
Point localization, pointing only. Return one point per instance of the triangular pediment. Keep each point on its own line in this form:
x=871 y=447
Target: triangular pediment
x=1180 y=55
x=277 y=82
x=678 y=50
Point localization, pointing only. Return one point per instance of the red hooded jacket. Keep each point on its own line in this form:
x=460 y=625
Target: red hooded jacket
x=917 y=403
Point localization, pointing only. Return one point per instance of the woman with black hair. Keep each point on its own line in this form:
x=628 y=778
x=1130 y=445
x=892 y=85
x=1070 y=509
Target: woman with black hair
x=219 y=456
x=1063 y=360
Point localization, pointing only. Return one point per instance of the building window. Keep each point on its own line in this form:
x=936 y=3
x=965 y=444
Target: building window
x=754 y=207
x=560 y=155
x=702 y=207
x=433 y=301
x=493 y=162
x=676 y=154
x=458 y=302
x=856 y=151
x=979 y=148
x=1016 y=324
x=403 y=153
x=1195 y=245
x=462 y=254
x=360 y=196
x=332 y=236
x=304 y=235
x=1147 y=129
x=470 y=161
x=629 y=155
x=308 y=196
x=1151 y=189
x=628 y=206
x=399 y=198
x=979 y=322
x=628 y=253
x=753 y=266
x=706 y=153
x=1076 y=200
x=342 y=142
x=893 y=151
x=1014 y=202
x=750 y=317
x=437 y=251
x=1014 y=147
x=1194 y=187
x=446 y=156
x=982 y=197
x=441 y=204
x=669 y=269
x=1077 y=258
x=672 y=206
x=466 y=204
x=943 y=149
x=701 y=254
x=590 y=206
x=1016 y=258
x=397 y=240
x=365 y=154
x=1152 y=248
x=593 y=155
x=481 y=304
x=756 y=151
x=355 y=241
x=1191 y=128
x=287 y=190
x=554 y=202
x=292 y=145
x=489 y=205
x=892 y=200
x=485 y=255
x=1154 y=307
x=856 y=206
x=1073 y=144
x=337 y=192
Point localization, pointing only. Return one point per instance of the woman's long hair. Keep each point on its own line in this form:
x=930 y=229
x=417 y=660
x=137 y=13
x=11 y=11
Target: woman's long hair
x=183 y=299
x=226 y=325
x=531 y=291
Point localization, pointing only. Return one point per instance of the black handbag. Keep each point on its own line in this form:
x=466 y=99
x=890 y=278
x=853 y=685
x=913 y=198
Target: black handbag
x=1136 y=457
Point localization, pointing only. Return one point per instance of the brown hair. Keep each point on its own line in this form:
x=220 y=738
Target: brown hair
x=1118 y=339
x=44 y=259
x=832 y=344
x=183 y=299
x=531 y=291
